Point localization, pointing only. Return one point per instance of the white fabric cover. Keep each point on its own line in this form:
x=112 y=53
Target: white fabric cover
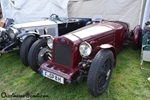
x=32 y=10
x=122 y=10
x=146 y=16
x=130 y=11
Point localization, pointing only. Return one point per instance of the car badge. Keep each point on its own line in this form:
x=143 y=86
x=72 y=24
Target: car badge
x=63 y=40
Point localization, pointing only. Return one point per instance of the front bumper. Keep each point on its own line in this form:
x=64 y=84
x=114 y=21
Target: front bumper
x=66 y=73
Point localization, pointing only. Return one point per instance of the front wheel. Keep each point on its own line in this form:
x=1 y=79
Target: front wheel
x=100 y=72
x=24 y=49
x=38 y=54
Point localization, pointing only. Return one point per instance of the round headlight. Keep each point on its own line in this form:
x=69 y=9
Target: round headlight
x=2 y=30
x=3 y=34
x=85 y=49
x=13 y=32
x=50 y=42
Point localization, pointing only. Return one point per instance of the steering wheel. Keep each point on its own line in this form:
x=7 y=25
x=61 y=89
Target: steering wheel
x=54 y=16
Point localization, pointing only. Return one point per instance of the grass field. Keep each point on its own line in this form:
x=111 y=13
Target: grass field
x=128 y=81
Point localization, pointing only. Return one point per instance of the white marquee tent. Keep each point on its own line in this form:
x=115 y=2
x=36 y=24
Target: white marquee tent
x=33 y=10
x=135 y=12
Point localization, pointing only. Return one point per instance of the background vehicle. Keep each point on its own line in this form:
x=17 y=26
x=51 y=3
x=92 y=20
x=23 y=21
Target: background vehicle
x=5 y=37
x=25 y=34
x=55 y=26
x=87 y=52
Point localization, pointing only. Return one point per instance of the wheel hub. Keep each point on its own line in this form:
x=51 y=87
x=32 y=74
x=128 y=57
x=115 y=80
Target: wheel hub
x=44 y=54
x=108 y=74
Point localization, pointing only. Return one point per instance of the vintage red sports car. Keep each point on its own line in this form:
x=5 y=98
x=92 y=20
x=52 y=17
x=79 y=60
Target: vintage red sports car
x=89 y=52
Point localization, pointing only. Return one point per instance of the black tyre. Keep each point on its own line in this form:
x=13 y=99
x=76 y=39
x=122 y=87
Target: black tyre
x=24 y=49
x=38 y=54
x=137 y=38
x=100 y=72
x=138 y=45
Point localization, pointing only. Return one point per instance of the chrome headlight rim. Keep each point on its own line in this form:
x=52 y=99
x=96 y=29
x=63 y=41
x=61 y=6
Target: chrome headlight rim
x=2 y=31
x=85 y=49
x=13 y=32
x=50 y=40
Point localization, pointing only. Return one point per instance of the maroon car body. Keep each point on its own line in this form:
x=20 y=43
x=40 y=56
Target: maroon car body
x=68 y=65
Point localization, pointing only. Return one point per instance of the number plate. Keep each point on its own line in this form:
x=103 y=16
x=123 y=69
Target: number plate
x=52 y=76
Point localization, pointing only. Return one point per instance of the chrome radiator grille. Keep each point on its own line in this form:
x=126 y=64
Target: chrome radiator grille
x=62 y=54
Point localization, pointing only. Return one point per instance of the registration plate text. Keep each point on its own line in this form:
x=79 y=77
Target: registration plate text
x=52 y=76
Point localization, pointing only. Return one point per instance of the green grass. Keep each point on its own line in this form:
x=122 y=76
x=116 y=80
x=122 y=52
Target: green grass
x=128 y=81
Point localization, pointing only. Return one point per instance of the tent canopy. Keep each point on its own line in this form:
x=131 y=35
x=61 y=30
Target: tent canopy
x=129 y=11
x=134 y=12
x=32 y=10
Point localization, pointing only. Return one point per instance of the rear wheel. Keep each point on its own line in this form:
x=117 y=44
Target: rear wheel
x=38 y=54
x=24 y=49
x=137 y=38
x=100 y=72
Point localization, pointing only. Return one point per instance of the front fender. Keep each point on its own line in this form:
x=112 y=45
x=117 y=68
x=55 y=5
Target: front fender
x=11 y=46
x=27 y=34
x=110 y=47
x=136 y=37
